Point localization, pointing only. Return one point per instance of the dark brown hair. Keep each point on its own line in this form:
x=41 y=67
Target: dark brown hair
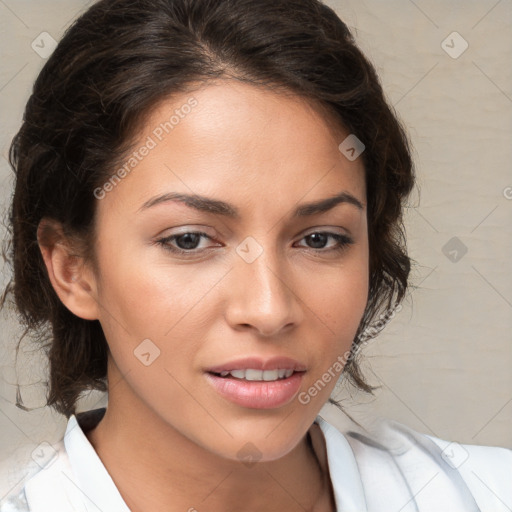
x=111 y=68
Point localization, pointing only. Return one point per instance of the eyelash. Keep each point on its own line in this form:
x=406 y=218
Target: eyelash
x=343 y=242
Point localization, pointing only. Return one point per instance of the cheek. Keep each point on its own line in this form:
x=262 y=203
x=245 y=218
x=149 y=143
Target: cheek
x=148 y=294
x=339 y=295
x=331 y=354
x=151 y=300
x=337 y=300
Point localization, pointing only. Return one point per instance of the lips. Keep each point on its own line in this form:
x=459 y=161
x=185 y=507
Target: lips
x=256 y=394
x=256 y=383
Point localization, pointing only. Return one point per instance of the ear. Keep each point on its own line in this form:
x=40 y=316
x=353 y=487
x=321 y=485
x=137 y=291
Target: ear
x=73 y=281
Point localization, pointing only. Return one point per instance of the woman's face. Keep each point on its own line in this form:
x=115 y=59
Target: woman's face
x=252 y=271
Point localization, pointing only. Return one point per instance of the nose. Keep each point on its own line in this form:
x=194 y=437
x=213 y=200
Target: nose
x=262 y=296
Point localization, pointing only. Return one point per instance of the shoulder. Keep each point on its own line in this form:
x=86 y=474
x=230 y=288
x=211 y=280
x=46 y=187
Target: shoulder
x=39 y=470
x=15 y=472
x=426 y=472
x=15 y=502
x=486 y=470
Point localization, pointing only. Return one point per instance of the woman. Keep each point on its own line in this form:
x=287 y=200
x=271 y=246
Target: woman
x=208 y=215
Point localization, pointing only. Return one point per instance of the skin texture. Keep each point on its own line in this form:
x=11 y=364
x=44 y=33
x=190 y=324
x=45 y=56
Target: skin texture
x=265 y=153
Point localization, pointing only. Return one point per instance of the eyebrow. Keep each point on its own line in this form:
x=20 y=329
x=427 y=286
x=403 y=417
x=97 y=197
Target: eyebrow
x=217 y=207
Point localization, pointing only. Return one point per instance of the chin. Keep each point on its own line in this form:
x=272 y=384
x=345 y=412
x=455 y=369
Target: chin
x=259 y=444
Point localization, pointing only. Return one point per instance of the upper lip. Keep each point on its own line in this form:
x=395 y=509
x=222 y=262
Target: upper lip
x=257 y=363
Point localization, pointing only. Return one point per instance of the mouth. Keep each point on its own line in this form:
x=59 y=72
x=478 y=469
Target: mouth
x=254 y=388
x=253 y=374
x=257 y=383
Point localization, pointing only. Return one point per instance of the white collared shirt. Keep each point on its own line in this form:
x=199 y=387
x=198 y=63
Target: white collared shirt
x=391 y=469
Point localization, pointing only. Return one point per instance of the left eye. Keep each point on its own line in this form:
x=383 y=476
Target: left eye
x=187 y=242
x=320 y=238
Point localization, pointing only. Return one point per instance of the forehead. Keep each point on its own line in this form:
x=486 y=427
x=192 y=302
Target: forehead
x=234 y=108
x=234 y=139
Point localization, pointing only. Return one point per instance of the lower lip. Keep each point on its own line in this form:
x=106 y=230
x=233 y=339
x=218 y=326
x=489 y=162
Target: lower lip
x=257 y=394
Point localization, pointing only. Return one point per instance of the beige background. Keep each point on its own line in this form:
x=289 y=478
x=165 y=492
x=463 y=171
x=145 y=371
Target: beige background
x=444 y=362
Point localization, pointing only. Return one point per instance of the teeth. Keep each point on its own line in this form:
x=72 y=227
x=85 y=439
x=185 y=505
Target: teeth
x=251 y=374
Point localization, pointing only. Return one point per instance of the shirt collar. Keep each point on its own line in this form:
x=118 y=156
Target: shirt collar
x=343 y=470
x=92 y=476
x=96 y=483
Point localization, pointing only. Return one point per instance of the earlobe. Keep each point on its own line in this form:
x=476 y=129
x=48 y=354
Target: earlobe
x=73 y=282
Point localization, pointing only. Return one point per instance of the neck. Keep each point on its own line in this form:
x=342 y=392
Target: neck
x=192 y=478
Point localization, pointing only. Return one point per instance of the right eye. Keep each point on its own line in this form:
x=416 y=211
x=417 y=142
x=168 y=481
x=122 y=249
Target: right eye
x=188 y=241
